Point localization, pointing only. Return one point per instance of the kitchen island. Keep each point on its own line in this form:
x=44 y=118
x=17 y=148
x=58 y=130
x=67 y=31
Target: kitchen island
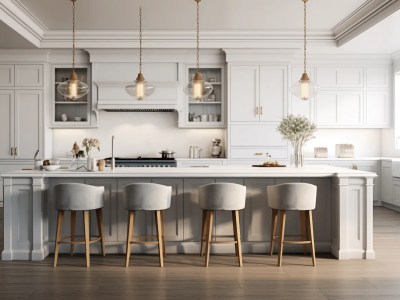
x=342 y=219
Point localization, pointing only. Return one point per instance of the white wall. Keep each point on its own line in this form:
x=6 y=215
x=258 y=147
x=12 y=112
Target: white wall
x=137 y=133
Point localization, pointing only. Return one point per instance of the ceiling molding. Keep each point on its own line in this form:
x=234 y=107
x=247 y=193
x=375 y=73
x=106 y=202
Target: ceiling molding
x=14 y=15
x=366 y=16
x=182 y=39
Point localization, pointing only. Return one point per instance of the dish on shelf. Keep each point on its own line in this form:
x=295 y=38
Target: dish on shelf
x=51 y=167
x=77 y=119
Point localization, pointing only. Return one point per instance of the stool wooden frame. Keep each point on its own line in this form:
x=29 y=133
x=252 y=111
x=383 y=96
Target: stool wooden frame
x=307 y=233
x=87 y=238
x=206 y=235
x=159 y=217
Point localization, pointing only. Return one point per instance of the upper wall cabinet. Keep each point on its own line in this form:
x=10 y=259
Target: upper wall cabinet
x=377 y=78
x=258 y=93
x=328 y=77
x=26 y=75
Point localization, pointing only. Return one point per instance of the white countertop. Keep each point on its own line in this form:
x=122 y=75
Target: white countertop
x=212 y=171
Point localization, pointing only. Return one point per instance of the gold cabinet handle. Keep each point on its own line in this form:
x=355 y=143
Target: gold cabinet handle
x=16 y=151
x=12 y=151
x=260 y=110
x=256 y=110
x=258 y=153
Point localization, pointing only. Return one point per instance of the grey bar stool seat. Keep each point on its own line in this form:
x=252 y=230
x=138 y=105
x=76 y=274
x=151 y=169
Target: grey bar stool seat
x=221 y=197
x=146 y=197
x=295 y=196
x=75 y=197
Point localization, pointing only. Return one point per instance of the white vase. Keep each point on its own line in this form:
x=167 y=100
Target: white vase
x=91 y=164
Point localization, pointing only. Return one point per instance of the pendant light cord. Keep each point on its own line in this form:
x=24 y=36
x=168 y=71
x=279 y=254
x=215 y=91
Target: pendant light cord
x=305 y=35
x=140 y=39
x=198 y=37
x=73 y=36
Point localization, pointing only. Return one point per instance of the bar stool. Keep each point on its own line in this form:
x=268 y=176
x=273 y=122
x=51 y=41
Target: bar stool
x=146 y=197
x=216 y=197
x=78 y=197
x=296 y=196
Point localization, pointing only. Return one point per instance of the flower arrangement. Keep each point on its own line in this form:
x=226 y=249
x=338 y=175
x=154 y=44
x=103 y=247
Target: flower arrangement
x=297 y=130
x=90 y=143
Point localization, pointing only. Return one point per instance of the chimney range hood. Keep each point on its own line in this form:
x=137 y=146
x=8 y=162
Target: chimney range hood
x=112 y=97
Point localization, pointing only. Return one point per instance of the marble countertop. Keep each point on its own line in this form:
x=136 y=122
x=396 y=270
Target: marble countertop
x=212 y=171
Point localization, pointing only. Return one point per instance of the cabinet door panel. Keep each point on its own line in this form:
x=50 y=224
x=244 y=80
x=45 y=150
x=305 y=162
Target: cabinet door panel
x=387 y=182
x=258 y=135
x=377 y=77
x=28 y=117
x=244 y=93
x=6 y=123
x=6 y=75
x=273 y=93
x=260 y=153
x=29 y=75
x=340 y=77
x=396 y=191
x=377 y=110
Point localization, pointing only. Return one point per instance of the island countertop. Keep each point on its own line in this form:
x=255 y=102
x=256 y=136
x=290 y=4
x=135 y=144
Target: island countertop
x=211 y=171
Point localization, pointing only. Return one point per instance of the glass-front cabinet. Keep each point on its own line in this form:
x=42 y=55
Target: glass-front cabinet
x=67 y=113
x=209 y=112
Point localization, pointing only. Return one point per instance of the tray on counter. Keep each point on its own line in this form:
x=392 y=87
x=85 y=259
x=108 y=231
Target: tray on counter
x=262 y=166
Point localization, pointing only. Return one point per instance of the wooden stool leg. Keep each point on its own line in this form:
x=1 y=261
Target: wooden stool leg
x=60 y=216
x=160 y=238
x=73 y=224
x=273 y=229
x=87 y=234
x=235 y=232
x=203 y=231
x=281 y=237
x=131 y=221
x=311 y=234
x=238 y=238
x=163 y=232
x=303 y=226
x=210 y=216
x=99 y=217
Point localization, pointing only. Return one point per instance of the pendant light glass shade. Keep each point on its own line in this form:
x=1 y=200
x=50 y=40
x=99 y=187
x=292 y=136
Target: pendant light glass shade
x=198 y=89
x=140 y=88
x=305 y=88
x=73 y=88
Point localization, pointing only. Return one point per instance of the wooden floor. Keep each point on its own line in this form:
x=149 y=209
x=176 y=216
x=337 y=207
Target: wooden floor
x=184 y=277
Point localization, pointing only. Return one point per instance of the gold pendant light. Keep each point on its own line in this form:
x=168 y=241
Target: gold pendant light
x=305 y=88
x=73 y=89
x=140 y=88
x=198 y=88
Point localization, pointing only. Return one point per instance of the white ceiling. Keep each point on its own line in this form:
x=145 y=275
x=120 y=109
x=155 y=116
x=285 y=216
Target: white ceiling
x=280 y=20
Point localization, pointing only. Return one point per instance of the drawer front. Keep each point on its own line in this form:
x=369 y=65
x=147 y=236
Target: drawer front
x=260 y=153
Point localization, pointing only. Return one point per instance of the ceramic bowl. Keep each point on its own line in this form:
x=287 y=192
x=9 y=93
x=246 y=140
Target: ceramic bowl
x=51 y=167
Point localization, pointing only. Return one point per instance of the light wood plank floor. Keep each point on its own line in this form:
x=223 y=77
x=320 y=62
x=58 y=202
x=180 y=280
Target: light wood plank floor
x=184 y=277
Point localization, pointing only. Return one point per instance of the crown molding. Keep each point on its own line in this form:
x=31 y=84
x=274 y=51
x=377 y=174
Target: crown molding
x=183 y=39
x=366 y=16
x=14 y=15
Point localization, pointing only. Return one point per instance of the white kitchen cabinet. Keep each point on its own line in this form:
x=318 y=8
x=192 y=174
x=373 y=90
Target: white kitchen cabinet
x=258 y=93
x=377 y=111
x=396 y=191
x=199 y=162
x=28 y=75
x=386 y=182
x=378 y=77
x=6 y=75
x=209 y=112
x=339 y=109
x=79 y=113
x=21 y=75
x=21 y=123
x=341 y=77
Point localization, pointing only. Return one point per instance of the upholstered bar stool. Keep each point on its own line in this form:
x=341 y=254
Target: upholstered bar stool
x=75 y=197
x=295 y=196
x=146 y=197
x=221 y=197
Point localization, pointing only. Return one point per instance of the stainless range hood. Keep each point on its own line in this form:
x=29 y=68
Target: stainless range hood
x=112 y=97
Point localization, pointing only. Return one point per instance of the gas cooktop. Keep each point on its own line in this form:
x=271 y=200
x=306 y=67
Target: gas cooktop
x=121 y=162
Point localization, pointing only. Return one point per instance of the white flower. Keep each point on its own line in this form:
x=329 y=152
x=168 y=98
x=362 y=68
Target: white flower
x=90 y=143
x=296 y=129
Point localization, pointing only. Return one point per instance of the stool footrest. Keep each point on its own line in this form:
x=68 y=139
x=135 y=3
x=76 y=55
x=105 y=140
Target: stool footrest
x=80 y=242
x=298 y=242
